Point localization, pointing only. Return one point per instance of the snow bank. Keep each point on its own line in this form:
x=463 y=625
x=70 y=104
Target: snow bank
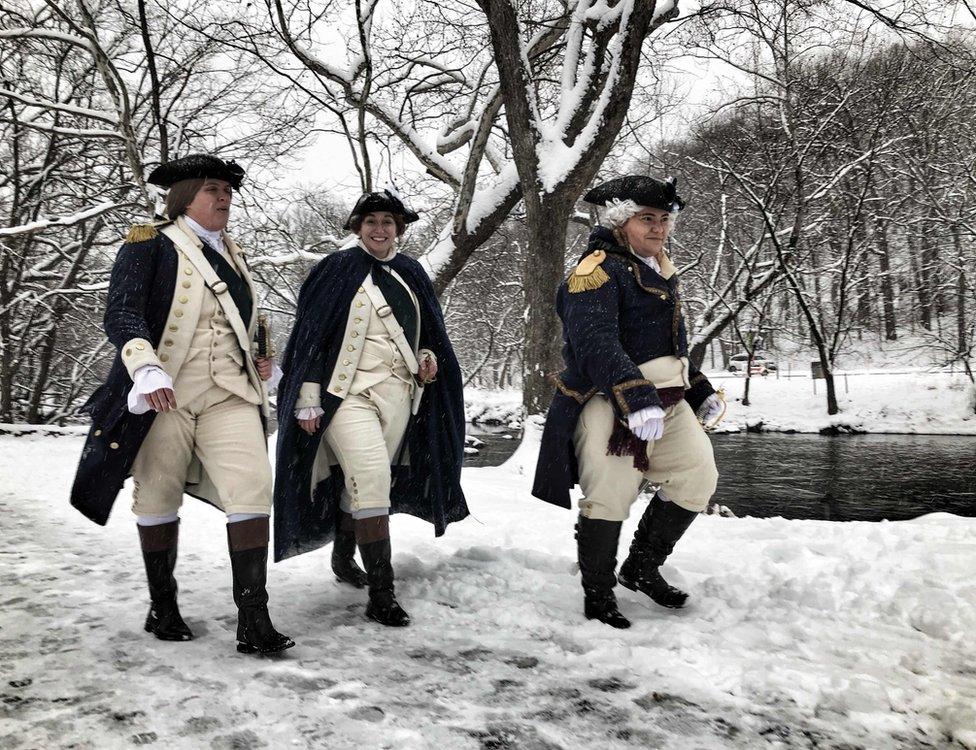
x=800 y=634
x=493 y=407
x=902 y=402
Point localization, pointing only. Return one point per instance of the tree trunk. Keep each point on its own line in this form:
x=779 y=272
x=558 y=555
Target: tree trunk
x=543 y=273
x=887 y=288
x=961 y=343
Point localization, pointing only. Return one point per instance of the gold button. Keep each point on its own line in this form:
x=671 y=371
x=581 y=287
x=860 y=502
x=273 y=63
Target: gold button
x=187 y=285
x=128 y=352
x=113 y=446
x=168 y=342
x=178 y=313
x=188 y=271
x=97 y=433
x=184 y=299
x=359 y=320
x=342 y=377
x=350 y=348
x=359 y=304
x=338 y=389
x=346 y=362
x=174 y=328
x=361 y=290
x=355 y=334
x=164 y=358
x=140 y=347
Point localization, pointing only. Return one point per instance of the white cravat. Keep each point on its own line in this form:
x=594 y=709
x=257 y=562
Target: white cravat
x=650 y=261
x=213 y=238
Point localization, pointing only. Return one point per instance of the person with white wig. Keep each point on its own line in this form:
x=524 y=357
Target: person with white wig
x=626 y=410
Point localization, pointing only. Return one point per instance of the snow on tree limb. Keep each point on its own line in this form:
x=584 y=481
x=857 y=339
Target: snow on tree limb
x=96 y=114
x=46 y=34
x=63 y=221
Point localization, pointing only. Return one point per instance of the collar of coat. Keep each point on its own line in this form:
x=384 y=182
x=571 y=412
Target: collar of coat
x=603 y=239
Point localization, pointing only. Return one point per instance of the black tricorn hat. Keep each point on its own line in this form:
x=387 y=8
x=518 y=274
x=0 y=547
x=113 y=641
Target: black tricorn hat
x=641 y=189
x=382 y=201
x=195 y=167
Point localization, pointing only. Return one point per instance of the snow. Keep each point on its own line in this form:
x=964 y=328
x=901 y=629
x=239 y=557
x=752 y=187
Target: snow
x=800 y=634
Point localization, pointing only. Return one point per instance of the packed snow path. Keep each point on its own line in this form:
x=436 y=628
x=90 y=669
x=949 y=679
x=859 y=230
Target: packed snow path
x=801 y=635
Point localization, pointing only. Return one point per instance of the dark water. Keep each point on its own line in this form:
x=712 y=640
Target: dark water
x=842 y=478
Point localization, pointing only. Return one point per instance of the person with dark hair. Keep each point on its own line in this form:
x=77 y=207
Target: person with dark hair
x=370 y=409
x=624 y=413
x=185 y=407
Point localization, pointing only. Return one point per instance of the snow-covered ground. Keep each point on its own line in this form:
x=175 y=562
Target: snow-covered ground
x=879 y=401
x=801 y=634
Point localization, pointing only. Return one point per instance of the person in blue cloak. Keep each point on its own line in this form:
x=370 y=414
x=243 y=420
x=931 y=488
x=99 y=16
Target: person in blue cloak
x=624 y=413
x=370 y=407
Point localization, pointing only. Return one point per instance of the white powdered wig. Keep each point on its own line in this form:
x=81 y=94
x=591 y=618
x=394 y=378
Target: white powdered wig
x=618 y=212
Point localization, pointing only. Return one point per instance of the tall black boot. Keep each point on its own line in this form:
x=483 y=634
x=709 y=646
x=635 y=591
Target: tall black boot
x=159 y=545
x=343 y=552
x=248 y=544
x=661 y=526
x=596 y=544
x=373 y=536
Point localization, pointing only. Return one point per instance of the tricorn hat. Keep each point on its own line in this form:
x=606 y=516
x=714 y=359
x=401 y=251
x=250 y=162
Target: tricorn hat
x=194 y=167
x=385 y=200
x=641 y=189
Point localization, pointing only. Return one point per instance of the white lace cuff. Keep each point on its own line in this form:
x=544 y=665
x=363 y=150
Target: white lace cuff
x=309 y=412
x=145 y=380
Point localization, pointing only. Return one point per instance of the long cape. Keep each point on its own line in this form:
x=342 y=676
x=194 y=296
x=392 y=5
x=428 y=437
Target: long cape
x=430 y=486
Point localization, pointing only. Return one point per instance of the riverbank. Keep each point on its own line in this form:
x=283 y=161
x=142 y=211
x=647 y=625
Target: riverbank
x=871 y=401
x=800 y=634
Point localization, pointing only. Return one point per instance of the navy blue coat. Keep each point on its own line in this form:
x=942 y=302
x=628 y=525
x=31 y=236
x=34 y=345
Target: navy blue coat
x=140 y=295
x=430 y=487
x=607 y=331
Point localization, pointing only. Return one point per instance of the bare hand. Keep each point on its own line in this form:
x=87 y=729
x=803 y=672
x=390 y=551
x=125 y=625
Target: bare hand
x=427 y=371
x=310 y=426
x=162 y=400
x=265 y=367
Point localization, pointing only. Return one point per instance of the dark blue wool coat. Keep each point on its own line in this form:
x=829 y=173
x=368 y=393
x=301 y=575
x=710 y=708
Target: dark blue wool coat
x=633 y=317
x=430 y=487
x=140 y=295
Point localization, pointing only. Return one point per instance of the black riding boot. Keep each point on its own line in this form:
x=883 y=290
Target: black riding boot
x=661 y=526
x=596 y=544
x=248 y=544
x=373 y=536
x=343 y=552
x=159 y=545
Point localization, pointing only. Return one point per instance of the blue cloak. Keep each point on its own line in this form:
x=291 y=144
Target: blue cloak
x=430 y=487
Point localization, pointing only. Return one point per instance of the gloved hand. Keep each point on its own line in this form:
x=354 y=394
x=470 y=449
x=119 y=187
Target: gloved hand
x=647 y=423
x=711 y=408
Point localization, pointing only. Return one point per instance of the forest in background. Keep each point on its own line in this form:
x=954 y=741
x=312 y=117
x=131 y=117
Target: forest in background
x=829 y=185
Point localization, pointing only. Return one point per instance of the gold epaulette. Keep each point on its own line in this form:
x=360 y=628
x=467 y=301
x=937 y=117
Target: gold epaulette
x=141 y=233
x=588 y=274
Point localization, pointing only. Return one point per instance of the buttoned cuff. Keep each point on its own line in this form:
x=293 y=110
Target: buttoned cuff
x=147 y=379
x=137 y=353
x=310 y=394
